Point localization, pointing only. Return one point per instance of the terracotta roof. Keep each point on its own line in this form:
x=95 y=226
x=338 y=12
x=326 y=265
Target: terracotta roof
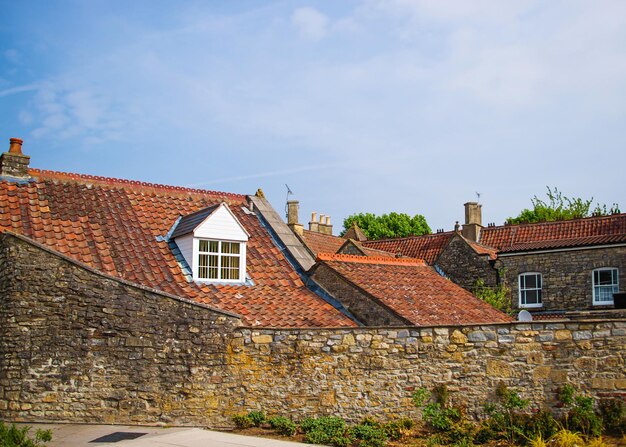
x=566 y=233
x=322 y=243
x=482 y=249
x=413 y=290
x=112 y=225
x=426 y=247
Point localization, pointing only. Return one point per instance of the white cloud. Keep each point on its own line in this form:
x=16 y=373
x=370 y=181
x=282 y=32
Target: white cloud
x=311 y=23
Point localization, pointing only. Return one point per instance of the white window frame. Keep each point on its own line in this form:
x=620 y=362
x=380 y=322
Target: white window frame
x=614 y=285
x=196 y=260
x=521 y=291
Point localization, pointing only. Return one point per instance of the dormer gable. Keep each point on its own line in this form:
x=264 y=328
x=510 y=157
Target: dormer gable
x=213 y=243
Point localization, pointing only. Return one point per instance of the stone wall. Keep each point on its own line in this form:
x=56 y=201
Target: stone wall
x=567 y=282
x=80 y=346
x=464 y=266
x=357 y=372
x=366 y=309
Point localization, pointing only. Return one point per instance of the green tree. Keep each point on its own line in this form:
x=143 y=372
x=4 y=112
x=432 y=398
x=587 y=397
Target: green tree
x=388 y=225
x=560 y=207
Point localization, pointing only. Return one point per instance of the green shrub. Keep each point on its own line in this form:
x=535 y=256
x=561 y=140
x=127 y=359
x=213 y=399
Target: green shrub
x=437 y=413
x=13 y=436
x=328 y=430
x=396 y=429
x=242 y=421
x=282 y=425
x=541 y=425
x=582 y=418
x=613 y=413
x=369 y=435
x=505 y=418
x=256 y=417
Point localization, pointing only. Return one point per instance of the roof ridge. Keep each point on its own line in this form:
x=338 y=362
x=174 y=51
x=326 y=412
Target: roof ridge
x=370 y=259
x=125 y=182
x=407 y=237
x=556 y=222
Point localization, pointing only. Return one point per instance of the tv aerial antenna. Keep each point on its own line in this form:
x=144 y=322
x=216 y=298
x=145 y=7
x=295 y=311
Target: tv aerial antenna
x=289 y=193
x=478 y=197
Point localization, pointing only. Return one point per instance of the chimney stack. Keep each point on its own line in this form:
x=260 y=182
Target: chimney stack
x=473 y=221
x=314 y=224
x=322 y=225
x=292 y=217
x=14 y=163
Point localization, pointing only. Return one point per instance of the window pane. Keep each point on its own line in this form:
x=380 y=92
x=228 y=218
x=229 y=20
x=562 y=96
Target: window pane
x=230 y=267
x=531 y=281
x=204 y=245
x=606 y=277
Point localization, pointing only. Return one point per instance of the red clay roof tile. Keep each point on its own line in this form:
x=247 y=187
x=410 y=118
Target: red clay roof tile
x=426 y=247
x=414 y=290
x=112 y=225
x=566 y=233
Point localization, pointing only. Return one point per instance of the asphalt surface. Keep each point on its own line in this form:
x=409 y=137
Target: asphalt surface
x=78 y=435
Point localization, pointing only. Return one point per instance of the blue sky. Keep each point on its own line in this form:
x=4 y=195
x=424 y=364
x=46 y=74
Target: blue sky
x=379 y=106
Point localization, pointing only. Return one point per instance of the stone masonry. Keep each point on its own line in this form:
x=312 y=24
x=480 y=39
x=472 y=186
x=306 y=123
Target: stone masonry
x=464 y=266
x=567 y=281
x=80 y=346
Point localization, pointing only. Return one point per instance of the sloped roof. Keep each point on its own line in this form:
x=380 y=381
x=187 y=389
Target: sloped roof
x=426 y=247
x=189 y=222
x=413 y=290
x=112 y=225
x=560 y=234
x=322 y=243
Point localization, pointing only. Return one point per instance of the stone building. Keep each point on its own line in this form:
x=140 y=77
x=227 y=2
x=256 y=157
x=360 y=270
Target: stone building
x=135 y=303
x=550 y=267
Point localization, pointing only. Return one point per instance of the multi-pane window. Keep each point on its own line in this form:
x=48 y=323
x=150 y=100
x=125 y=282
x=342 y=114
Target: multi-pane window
x=530 y=285
x=605 y=284
x=219 y=260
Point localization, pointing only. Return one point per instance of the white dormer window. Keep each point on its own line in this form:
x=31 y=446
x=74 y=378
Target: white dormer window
x=220 y=260
x=213 y=242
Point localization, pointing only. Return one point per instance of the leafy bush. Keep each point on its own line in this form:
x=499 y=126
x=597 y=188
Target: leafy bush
x=437 y=413
x=284 y=426
x=327 y=430
x=13 y=436
x=613 y=413
x=256 y=417
x=582 y=417
x=506 y=420
x=541 y=425
x=369 y=435
x=498 y=296
x=242 y=421
x=396 y=429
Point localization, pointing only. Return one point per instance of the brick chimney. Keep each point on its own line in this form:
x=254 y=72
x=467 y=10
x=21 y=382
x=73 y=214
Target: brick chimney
x=473 y=221
x=292 y=217
x=14 y=163
x=325 y=227
x=322 y=226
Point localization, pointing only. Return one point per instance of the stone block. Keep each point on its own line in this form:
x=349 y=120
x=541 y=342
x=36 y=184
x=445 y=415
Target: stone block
x=498 y=368
x=262 y=339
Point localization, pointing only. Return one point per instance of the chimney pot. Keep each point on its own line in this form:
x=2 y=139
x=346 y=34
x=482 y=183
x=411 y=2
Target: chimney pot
x=321 y=218
x=14 y=163
x=15 y=146
x=327 y=220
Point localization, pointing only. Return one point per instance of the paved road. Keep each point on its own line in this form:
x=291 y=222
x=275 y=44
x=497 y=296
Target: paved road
x=73 y=435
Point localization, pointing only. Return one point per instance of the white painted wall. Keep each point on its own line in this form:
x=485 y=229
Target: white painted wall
x=221 y=225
